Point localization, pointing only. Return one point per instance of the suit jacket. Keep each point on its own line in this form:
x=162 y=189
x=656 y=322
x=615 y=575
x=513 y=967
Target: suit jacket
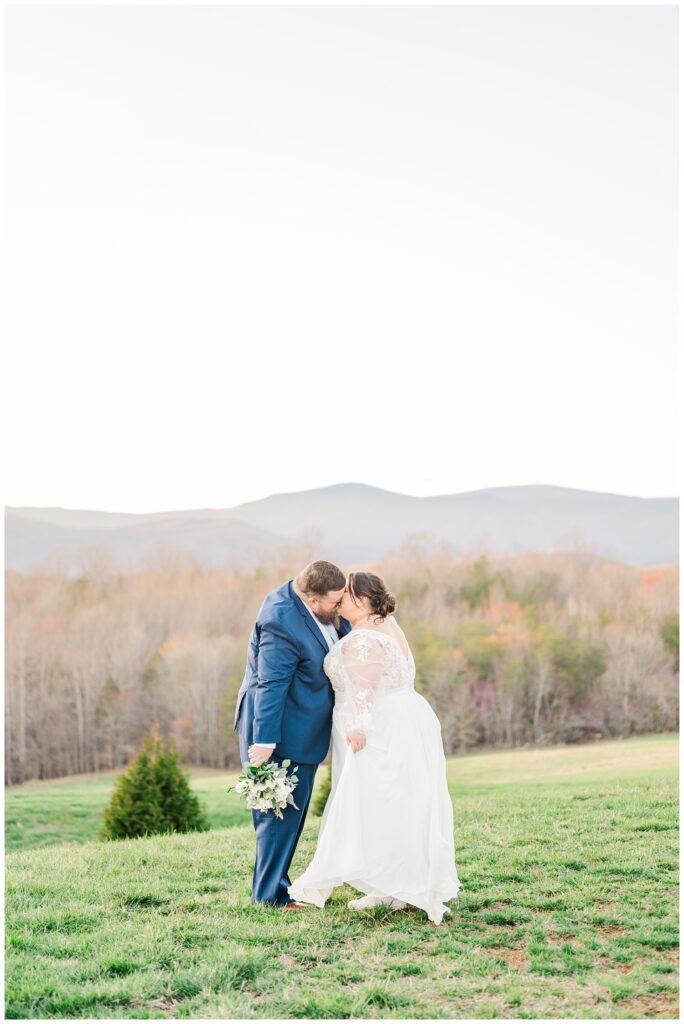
x=285 y=696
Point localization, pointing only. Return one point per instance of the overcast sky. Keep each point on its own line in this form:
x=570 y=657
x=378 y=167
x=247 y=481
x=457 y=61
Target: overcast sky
x=262 y=249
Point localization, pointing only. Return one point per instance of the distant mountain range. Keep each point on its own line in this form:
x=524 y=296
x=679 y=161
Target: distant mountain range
x=354 y=523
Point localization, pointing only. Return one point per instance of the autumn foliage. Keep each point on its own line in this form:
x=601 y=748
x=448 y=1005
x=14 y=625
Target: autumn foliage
x=531 y=649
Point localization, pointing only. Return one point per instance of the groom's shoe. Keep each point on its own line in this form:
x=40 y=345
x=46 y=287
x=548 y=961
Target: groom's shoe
x=292 y=905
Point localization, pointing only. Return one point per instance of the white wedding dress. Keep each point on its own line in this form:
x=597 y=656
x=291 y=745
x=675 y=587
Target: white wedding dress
x=388 y=827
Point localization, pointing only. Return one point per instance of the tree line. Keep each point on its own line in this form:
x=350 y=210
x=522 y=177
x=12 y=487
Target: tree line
x=530 y=649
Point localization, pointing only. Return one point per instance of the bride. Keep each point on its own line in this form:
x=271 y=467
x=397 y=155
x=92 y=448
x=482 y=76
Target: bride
x=387 y=828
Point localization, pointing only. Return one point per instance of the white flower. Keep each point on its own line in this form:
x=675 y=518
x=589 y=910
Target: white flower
x=271 y=790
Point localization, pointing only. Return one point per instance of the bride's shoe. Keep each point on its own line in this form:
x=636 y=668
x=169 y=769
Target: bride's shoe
x=367 y=902
x=363 y=903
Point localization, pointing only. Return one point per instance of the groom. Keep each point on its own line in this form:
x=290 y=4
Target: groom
x=284 y=709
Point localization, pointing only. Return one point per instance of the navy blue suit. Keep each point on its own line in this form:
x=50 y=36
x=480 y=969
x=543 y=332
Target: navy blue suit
x=285 y=698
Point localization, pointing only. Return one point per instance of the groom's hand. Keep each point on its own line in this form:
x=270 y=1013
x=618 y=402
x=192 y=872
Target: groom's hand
x=357 y=740
x=257 y=755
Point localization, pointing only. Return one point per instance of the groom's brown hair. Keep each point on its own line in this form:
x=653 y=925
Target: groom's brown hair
x=320 y=577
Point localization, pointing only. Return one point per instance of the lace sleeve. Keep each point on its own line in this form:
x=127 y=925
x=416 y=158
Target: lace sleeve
x=363 y=663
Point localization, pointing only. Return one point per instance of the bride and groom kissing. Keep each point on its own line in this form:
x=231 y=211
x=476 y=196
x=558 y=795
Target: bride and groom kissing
x=328 y=659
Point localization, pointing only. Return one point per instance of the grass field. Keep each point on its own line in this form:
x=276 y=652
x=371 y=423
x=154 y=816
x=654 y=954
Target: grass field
x=45 y=813
x=568 y=858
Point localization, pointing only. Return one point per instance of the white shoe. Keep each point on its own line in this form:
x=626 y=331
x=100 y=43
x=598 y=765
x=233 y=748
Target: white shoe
x=367 y=902
x=363 y=903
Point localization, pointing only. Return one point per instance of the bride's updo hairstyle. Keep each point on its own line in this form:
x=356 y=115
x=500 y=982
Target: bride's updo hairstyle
x=367 y=584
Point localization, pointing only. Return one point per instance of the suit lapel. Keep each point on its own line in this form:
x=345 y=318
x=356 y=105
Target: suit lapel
x=316 y=631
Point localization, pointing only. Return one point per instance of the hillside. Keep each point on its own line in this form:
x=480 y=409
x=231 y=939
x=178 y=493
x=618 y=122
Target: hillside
x=356 y=523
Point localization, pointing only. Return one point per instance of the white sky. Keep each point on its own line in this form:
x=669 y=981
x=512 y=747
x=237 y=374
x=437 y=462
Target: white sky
x=264 y=249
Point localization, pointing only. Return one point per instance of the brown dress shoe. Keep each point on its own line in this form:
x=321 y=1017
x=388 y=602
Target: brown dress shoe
x=292 y=905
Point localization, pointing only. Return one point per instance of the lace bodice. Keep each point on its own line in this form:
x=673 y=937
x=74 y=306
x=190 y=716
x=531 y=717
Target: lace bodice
x=364 y=668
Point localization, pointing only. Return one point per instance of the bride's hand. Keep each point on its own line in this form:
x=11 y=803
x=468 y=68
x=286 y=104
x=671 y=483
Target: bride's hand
x=357 y=740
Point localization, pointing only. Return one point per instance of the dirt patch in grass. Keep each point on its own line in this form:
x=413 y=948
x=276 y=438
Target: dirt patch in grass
x=557 y=940
x=555 y=1005
x=167 y=1006
x=612 y=929
x=607 y=963
x=659 y=1004
x=514 y=957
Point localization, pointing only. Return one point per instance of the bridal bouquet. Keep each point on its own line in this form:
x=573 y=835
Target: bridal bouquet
x=268 y=787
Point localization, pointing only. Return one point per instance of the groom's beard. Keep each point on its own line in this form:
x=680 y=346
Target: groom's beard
x=329 y=618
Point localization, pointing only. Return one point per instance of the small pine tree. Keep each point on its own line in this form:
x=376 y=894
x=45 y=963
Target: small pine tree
x=321 y=800
x=180 y=807
x=134 y=806
x=152 y=796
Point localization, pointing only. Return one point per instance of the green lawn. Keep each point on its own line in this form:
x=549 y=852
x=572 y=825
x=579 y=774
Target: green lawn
x=568 y=857
x=46 y=813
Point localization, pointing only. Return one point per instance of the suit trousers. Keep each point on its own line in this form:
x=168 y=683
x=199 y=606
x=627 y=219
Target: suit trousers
x=277 y=838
